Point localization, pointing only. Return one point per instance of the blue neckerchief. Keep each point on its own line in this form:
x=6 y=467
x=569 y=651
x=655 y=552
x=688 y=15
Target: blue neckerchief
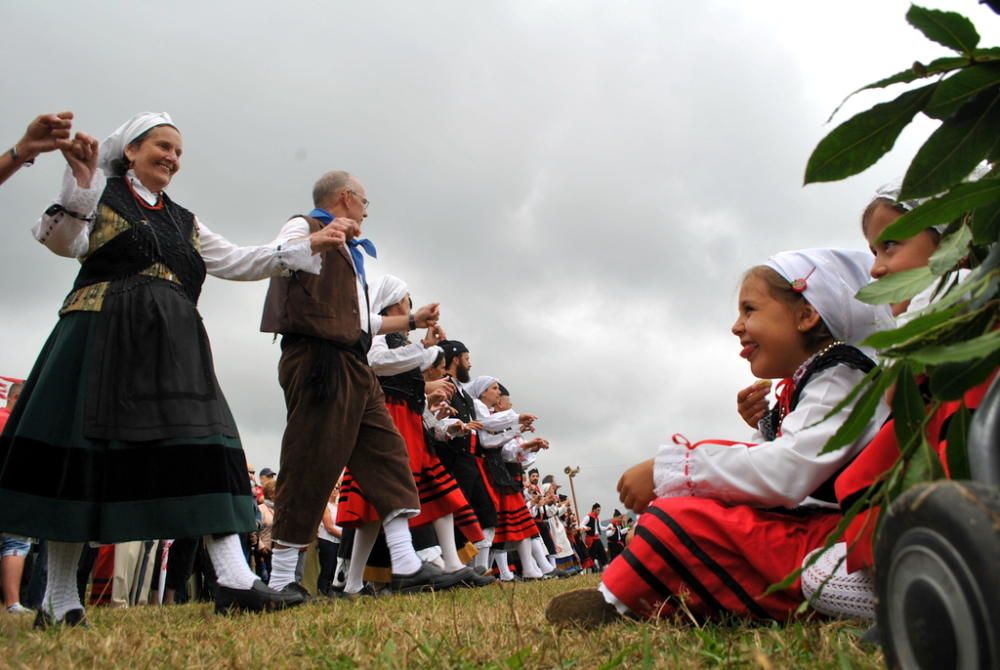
x=352 y=245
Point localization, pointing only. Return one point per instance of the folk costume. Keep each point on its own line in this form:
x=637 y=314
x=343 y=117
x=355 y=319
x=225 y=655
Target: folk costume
x=502 y=464
x=462 y=458
x=732 y=518
x=337 y=414
x=616 y=536
x=592 y=538
x=399 y=364
x=124 y=389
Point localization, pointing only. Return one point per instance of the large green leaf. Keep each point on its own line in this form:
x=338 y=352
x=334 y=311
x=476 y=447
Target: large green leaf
x=962 y=87
x=945 y=209
x=954 y=150
x=907 y=405
x=897 y=287
x=949 y=381
x=864 y=138
x=914 y=328
x=916 y=71
x=986 y=224
x=948 y=28
x=957 y=454
x=960 y=327
x=861 y=415
x=978 y=347
x=953 y=248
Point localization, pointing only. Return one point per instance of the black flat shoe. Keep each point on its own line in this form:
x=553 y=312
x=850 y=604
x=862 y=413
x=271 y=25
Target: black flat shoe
x=74 y=619
x=473 y=579
x=428 y=578
x=367 y=591
x=258 y=598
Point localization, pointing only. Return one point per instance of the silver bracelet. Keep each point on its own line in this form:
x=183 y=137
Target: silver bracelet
x=16 y=156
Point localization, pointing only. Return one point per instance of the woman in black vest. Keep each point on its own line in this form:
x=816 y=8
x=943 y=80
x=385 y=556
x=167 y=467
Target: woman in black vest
x=124 y=390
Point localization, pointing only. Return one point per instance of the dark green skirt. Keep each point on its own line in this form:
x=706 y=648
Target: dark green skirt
x=58 y=484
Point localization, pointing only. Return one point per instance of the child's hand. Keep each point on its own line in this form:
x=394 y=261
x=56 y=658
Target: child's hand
x=635 y=488
x=751 y=402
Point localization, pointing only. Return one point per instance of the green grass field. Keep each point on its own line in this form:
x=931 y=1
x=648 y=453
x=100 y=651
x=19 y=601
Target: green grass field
x=501 y=626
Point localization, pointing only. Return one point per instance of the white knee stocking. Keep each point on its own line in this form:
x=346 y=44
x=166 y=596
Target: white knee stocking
x=231 y=567
x=500 y=558
x=529 y=569
x=61 y=594
x=845 y=594
x=400 y=542
x=445 y=529
x=364 y=540
x=538 y=552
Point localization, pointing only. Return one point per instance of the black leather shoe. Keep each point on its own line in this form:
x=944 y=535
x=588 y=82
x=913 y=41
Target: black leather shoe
x=258 y=598
x=74 y=619
x=472 y=579
x=367 y=591
x=428 y=578
x=295 y=587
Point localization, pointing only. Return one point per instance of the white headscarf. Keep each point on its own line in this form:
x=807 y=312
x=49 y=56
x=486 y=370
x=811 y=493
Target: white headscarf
x=478 y=385
x=832 y=278
x=386 y=291
x=113 y=147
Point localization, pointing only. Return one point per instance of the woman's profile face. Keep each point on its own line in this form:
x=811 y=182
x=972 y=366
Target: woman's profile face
x=491 y=395
x=157 y=158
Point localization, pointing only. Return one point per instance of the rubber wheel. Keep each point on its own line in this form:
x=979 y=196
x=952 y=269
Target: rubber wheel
x=937 y=578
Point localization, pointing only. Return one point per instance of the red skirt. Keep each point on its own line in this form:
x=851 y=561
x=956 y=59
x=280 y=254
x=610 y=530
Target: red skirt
x=716 y=558
x=440 y=494
x=514 y=521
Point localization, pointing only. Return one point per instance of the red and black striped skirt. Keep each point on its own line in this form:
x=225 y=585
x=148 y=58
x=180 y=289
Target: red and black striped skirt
x=440 y=494
x=718 y=559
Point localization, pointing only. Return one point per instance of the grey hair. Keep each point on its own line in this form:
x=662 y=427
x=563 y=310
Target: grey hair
x=329 y=185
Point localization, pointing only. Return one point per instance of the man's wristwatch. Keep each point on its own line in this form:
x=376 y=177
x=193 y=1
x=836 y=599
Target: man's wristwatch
x=413 y=323
x=17 y=157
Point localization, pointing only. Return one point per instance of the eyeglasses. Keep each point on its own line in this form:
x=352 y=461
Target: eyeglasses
x=364 y=201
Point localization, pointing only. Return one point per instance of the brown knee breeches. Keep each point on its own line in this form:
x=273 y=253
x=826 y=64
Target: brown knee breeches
x=350 y=427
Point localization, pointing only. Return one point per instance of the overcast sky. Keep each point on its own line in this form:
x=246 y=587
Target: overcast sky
x=580 y=184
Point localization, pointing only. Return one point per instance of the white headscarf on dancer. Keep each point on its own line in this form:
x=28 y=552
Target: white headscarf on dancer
x=477 y=386
x=829 y=280
x=892 y=190
x=113 y=146
x=386 y=291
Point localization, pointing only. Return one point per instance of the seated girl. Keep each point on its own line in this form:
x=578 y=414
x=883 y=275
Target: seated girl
x=845 y=569
x=722 y=521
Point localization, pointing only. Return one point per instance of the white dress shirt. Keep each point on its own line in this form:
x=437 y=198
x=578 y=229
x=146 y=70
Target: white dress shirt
x=779 y=473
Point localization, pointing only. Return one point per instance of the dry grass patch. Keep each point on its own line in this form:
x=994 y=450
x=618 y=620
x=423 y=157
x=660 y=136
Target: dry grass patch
x=501 y=626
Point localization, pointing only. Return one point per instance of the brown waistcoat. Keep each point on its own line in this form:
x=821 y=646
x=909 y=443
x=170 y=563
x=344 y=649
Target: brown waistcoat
x=323 y=306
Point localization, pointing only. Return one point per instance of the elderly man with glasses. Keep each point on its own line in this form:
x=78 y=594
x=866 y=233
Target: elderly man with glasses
x=335 y=406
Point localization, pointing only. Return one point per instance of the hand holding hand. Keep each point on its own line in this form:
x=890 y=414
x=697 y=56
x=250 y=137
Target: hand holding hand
x=635 y=488
x=333 y=234
x=442 y=385
x=427 y=315
x=751 y=402
x=429 y=339
x=81 y=156
x=535 y=444
x=442 y=410
x=47 y=132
